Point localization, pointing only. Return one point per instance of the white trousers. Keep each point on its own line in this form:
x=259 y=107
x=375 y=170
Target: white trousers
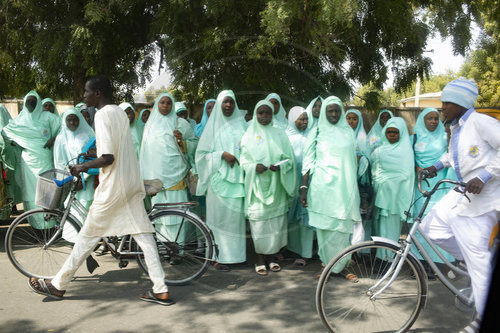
x=84 y=245
x=466 y=238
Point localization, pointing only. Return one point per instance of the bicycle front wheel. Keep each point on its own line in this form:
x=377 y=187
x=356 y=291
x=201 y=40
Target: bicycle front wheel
x=185 y=246
x=346 y=306
x=36 y=245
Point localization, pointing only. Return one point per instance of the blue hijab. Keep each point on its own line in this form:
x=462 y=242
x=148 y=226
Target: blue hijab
x=429 y=146
x=198 y=129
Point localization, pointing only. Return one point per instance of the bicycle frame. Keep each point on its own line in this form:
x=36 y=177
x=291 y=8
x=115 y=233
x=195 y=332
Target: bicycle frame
x=404 y=251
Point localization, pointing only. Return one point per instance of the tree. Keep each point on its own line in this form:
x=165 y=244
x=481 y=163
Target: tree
x=52 y=46
x=483 y=64
x=304 y=48
x=298 y=49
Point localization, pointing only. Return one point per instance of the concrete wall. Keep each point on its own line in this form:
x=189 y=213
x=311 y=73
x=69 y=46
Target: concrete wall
x=14 y=106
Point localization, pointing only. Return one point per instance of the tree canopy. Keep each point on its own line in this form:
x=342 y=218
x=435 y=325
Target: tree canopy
x=298 y=49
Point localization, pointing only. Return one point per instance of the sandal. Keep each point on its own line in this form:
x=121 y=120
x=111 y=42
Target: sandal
x=300 y=263
x=150 y=297
x=45 y=288
x=221 y=267
x=261 y=269
x=350 y=277
x=274 y=267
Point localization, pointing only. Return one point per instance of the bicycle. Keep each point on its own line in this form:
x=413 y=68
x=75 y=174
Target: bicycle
x=39 y=241
x=392 y=283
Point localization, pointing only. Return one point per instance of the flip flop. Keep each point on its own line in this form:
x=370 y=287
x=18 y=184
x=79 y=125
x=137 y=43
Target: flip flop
x=43 y=288
x=221 y=267
x=300 y=263
x=261 y=269
x=150 y=297
x=350 y=277
x=274 y=267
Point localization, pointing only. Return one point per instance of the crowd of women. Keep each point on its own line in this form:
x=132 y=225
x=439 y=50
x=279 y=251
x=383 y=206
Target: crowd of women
x=312 y=181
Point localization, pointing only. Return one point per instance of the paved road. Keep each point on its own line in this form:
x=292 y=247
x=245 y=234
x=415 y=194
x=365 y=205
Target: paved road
x=236 y=301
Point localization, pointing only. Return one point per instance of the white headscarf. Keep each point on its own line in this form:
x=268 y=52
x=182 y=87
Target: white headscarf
x=279 y=119
x=135 y=129
x=297 y=138
x=69 y=143
x=160 y=156
x=221 y=134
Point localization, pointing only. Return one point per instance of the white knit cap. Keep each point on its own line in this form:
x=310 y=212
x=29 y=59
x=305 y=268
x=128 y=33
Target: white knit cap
x=460 y=91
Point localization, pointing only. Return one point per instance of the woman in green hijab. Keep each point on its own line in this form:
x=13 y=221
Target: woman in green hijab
x=13 y=189
x=270 y=181
x=49 y=105
x=279 y=117
x=332 y=198
x=221 y=179
x=135 y=128
x=29 y=135
x=166 y=139
x=393 y=174
x=375 y=135
x=312 y=111
x=429 y=144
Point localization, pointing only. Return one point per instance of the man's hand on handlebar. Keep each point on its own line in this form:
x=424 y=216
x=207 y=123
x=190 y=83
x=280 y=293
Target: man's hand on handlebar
x=474 y=186
x=77 y=169
x=430 y=172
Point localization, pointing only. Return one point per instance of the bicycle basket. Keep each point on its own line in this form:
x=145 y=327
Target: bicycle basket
x=52 y=188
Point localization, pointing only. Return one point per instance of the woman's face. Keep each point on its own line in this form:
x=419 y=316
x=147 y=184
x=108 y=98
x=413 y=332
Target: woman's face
x=47 y=106
x=384 y=117
x=30 y=103
x=276 y=105
x=228 y=106
x=431 y=121
x=72 y=122
x=333 y=112
x=264 y=115
x=130 y=115
x=316 y=108
x=145 y=116
x=86 y=116
x=165 y=105
x=352 y=120
x=392 y=135
x=301 y=122
x=210 y=107
x=183 y=114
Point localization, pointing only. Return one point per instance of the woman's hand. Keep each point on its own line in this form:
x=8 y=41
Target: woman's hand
x=260 y=168
x=178 y=137
x=303 y=196
x=272 y=167
x=229 y=158
x=49 y=143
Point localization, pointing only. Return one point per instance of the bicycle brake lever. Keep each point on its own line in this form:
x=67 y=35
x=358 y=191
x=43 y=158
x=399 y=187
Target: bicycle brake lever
x=457 y=189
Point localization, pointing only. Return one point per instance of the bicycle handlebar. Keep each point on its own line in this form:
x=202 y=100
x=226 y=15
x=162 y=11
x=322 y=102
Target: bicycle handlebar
x=422 y=175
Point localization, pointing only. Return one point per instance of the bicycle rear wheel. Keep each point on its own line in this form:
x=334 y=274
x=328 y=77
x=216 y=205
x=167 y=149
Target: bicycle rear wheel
x=345 y=306
x=36 y=245
x=185 y=247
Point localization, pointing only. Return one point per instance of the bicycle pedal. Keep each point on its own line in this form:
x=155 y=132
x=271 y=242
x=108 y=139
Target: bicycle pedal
x=123 y=263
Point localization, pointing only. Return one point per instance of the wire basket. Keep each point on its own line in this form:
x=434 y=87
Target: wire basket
x=50 y=194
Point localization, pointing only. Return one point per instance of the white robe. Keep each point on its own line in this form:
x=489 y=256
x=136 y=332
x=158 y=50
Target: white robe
x=118 y=207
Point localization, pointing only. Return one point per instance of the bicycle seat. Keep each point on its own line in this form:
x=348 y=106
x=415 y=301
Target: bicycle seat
x=153 y=186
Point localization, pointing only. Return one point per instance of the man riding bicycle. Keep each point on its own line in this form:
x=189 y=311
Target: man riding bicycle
x=462 y=225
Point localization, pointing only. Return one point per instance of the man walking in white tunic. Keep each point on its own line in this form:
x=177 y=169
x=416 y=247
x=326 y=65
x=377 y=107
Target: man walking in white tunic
x=118 y=207
x=460 y=226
